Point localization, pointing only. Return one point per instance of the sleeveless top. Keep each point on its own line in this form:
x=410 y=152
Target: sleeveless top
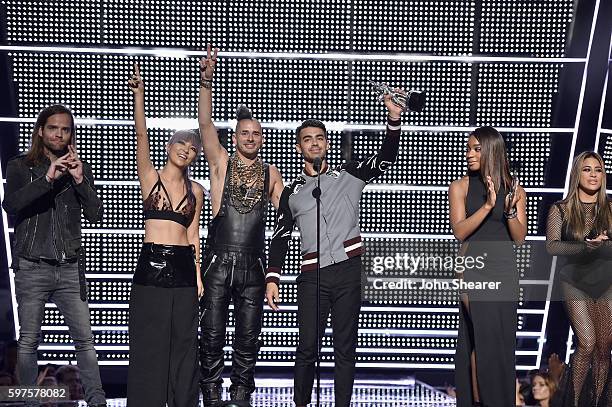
x=493 y=243
x=495 y=225
x=159 y=206
x=232 y=230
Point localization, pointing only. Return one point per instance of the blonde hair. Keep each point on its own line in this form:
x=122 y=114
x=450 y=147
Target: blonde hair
x=574 y=216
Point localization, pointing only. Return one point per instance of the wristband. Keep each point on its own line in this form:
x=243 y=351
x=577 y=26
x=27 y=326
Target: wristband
x=206 y=83
x=512 y=214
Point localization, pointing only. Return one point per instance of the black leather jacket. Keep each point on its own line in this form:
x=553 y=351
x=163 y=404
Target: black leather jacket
x=43 y=207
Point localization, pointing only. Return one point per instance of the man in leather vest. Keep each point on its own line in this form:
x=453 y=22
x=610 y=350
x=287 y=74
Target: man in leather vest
x=46 y=190
x=241 y=185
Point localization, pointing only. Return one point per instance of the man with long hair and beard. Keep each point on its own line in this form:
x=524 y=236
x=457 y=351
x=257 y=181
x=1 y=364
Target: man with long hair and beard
x=340 y=251
x=242 y=186
x=487 y=215
x=578 y=229
x=46 y=190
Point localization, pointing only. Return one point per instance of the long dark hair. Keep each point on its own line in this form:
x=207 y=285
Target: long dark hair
x=194 y=138
x=36 y=153
x=493 y=157
x=575 y=223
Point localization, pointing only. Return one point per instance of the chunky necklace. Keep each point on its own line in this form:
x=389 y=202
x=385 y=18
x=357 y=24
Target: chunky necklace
x=246 y=184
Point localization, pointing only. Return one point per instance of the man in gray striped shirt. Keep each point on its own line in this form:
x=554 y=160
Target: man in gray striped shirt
x=341 y=247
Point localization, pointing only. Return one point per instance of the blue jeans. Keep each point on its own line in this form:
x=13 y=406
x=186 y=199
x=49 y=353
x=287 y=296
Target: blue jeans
x=35 y=284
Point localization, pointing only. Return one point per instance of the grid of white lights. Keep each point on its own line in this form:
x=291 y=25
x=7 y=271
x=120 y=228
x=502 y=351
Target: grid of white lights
x=416 y=330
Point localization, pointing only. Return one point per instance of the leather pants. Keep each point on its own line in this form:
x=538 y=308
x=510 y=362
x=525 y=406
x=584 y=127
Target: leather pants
x=167 y=266
x=231 y=275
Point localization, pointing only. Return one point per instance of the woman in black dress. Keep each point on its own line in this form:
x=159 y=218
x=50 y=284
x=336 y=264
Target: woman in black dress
x=578 y=229
x=487 y=214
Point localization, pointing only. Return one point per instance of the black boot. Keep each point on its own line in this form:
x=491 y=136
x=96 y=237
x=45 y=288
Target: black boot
x=211 y=394
x=240 y=393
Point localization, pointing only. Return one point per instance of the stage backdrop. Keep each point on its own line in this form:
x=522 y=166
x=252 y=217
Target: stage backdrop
x=481 y=63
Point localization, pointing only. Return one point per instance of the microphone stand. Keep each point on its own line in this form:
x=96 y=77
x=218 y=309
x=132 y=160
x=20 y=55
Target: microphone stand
x=316 y=193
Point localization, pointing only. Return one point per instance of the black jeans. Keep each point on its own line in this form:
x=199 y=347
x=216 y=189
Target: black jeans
x=35 y=284
x=237 y=276
x=340 y=293
x=164 y=329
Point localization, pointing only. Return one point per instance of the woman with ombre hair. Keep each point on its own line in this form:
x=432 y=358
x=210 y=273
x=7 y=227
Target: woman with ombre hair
x=579 y=228
x=163 y=326
x=487 y=215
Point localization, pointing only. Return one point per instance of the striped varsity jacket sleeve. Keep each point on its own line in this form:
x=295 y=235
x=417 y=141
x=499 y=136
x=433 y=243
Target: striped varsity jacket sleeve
x=280 y=238
x=375 y=165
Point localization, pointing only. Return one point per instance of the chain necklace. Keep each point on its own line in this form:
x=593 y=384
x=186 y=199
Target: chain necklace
x=246 y=184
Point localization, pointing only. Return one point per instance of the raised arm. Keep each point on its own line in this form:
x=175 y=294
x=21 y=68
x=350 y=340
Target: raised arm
x=146 y=171
x=375 y=165
x=85 y=189
x=214 y=152
x=21 y=191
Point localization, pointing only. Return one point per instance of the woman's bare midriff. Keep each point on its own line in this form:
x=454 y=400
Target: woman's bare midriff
x=163 y=231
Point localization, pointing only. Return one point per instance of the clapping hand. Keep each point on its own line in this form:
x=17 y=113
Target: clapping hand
x=512 y=197
x=593 y=244
x=491 y=194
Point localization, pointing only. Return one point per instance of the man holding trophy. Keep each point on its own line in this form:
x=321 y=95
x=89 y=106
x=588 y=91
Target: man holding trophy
x=340 y=243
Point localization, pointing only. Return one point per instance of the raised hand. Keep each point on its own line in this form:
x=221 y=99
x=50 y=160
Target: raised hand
x=555 y=367
x=59 y=167
x=75 y=167
x=491 y=194
x=395 y=111
x=512 y=197
x=135 y=82
x=207 y=65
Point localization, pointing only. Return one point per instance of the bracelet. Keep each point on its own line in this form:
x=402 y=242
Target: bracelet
x=512 y=214
x=206 y=83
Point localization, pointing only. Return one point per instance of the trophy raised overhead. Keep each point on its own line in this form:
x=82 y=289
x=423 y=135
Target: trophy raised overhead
x=412 y=100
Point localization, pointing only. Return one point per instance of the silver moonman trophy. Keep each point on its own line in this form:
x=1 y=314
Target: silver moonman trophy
x=413 y=100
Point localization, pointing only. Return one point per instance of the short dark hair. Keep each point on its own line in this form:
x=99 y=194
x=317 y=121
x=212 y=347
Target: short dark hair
x=244 y=113
x=310 y=123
